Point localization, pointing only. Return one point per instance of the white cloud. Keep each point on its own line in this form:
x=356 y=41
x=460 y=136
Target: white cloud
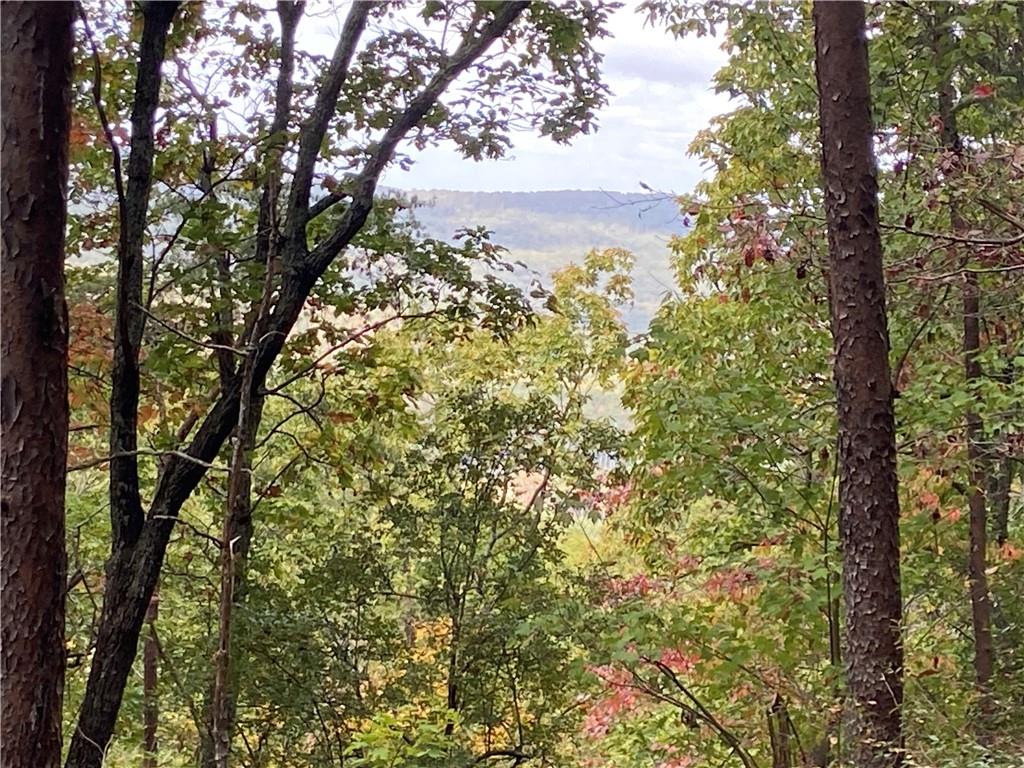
x=661 y=97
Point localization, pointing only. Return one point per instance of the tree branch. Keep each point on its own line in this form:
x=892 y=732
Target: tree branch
x=313 y=131
x=125 y=502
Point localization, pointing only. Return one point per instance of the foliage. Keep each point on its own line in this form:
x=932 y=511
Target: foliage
x=457 y=558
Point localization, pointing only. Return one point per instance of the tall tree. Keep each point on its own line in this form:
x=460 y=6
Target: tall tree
x=36 y=107
x=868 y=501
x=308 y=237
x=977 y=474
x=126 y=600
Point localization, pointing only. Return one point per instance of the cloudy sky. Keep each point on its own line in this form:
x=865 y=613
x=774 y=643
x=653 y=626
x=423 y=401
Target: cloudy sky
x=661 y=96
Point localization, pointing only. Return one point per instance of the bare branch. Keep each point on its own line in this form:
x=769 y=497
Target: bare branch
x=97 y=98
x=996 y=242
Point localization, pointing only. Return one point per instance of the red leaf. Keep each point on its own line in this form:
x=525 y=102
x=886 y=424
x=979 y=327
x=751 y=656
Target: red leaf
x=983 y=90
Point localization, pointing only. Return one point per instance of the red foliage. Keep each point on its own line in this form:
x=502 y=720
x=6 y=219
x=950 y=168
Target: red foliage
x=730 y=582
x=621 y=698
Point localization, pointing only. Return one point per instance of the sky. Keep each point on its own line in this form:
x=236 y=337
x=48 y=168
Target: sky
x=661 y=97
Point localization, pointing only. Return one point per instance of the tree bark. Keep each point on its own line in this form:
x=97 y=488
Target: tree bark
x=150 y=680
x=133 y=571
x=868 y=502
x=977 y=476
x=126 y=596
x=779 y=733
x=36 y=116
x=238 y=523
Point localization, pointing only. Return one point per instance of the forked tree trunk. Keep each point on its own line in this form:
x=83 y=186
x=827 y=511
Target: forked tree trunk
x=140 y=537
x=36 y=116
x=868 y=502
x=129 y=584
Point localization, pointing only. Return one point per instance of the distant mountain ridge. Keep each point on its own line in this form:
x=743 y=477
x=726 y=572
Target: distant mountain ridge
x=548 y=230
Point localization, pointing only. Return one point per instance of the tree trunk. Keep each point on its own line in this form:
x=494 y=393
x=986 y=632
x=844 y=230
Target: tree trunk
x=238 y=524
x=235 y=543
x=134 y=568
x=779 y=734
x=128 y=586
x=1001 y=480
x=981 y=606
x=1000 y=485
x=977 y=478
x=150 y=671
x=868 y=501
x=36 y=116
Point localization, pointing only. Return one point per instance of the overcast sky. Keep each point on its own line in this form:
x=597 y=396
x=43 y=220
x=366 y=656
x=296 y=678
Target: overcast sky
x=661 y=96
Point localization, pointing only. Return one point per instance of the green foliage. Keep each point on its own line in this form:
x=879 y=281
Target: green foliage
x=458 y=558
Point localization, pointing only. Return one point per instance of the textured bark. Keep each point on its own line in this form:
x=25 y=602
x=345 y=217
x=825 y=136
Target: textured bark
x=868 y=503
x=36 y=114
x=133 y=571
x=125 y=504
x=150 y=680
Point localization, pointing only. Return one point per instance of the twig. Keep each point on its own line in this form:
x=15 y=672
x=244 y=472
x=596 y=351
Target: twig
x=143 y=452
x=97 y=98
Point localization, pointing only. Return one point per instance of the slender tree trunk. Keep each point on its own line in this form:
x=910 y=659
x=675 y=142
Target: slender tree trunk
x=981 y=605
x=238 y=524
x=868 y=501
x=150 y=672
x=36 y=116
x=779 y=734
x=977 y=478
x=235 y=543
x=128 y=587
x=1000 y=485
x=134 y=567
x=1001 y=480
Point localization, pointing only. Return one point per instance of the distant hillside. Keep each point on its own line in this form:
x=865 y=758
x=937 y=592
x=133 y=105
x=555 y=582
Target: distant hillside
x=547 y=230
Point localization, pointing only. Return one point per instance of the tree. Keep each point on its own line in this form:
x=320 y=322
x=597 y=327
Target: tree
x=363 y=107
x=37 y=61
x=868 y=502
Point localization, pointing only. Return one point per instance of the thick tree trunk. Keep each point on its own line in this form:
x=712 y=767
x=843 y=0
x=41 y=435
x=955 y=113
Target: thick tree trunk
x=868 y=502
x=36 y=116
